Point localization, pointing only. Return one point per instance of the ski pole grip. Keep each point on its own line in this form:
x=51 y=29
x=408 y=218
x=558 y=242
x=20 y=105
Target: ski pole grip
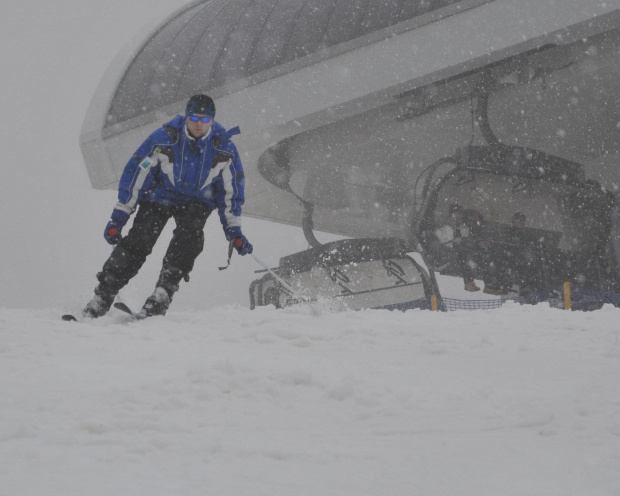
x=238 y=243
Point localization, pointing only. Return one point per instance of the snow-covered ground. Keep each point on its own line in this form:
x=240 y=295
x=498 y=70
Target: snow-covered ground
x=228 y=401
x=215 y=399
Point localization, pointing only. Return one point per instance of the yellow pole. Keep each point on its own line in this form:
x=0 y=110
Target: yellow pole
x=567 y=302
x=434 y=303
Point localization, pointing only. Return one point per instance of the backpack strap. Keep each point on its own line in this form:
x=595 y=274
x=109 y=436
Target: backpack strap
x=173 y=132
x=220 y=155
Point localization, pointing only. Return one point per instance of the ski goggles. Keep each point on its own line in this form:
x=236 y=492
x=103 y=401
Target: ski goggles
x=195 y=118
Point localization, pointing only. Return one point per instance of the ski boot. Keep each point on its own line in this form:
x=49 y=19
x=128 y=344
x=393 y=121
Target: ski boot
x=156 y=304
x=167 y=285
x=100 y=304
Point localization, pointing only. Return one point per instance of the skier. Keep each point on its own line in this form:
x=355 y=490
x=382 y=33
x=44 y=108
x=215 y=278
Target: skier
x=184 y=170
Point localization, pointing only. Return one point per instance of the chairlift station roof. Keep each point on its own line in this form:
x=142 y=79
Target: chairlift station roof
x=213 y=43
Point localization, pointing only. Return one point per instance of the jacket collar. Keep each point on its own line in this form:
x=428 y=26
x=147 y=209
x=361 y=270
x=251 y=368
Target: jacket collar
x=200 y=140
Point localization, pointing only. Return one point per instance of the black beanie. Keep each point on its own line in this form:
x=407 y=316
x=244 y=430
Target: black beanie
x=200 y=104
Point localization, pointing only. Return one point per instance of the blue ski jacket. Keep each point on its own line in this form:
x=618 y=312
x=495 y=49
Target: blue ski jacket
x=172 y=168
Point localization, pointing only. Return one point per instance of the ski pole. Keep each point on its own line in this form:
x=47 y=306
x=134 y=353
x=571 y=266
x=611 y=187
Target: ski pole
x=286 y=285
x=230 y=252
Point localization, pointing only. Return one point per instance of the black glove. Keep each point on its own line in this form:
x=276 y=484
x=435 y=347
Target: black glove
x=112 y=233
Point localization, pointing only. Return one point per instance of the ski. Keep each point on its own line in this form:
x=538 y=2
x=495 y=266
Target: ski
x=119 y=305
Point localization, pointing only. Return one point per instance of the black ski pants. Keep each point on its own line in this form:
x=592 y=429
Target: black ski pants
x=130 y=254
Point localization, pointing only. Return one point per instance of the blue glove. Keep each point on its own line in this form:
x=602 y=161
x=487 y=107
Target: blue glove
x=112 y=233
x=240 y=242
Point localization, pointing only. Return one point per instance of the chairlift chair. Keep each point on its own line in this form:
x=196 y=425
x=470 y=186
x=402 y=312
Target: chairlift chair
x=569 y=218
